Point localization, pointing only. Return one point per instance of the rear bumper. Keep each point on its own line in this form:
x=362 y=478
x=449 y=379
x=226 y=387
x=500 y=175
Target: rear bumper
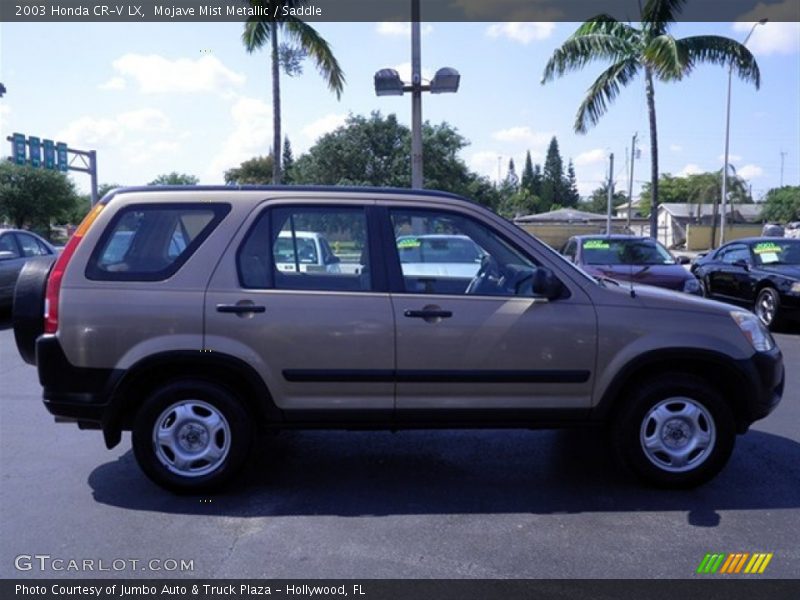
x=70 y=392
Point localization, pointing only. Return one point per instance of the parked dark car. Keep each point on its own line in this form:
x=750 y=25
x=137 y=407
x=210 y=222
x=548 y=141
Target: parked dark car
x=631 y=258
x=16 y=248
x=762 y=274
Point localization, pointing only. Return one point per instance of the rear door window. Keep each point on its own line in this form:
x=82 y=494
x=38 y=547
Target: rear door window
x=31 y=246
x=151 y=242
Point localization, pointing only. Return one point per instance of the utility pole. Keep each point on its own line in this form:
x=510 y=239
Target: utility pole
x=630 y=181
x=610 y=191
x=783 y=155
x=416 y=98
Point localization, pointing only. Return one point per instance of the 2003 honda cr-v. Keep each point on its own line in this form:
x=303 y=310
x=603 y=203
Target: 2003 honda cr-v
x=193 y=339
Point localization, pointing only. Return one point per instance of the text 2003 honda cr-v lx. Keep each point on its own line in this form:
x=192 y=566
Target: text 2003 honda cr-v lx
x=166 y=315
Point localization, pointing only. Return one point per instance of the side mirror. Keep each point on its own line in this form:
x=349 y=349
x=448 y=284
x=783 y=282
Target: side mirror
x=742 y=264
x=544 y=283
x=7 y=255
x=683 y=260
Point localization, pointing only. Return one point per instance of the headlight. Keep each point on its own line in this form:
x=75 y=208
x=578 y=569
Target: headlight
x=795 y=289
x=754 y=330
x=691 y=286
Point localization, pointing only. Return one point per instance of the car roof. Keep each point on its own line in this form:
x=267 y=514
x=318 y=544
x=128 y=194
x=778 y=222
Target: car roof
x=613 y=236
x=765 y=238
x=435 y=236
x=285 y=188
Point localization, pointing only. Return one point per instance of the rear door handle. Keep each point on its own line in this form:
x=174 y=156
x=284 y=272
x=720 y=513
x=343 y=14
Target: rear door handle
x=240 y=309
x=428 y=314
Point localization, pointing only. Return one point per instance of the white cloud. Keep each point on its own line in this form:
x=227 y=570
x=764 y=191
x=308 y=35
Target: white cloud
x=404 y=70
x=155 y=74
x=524 y=33
x=690 y=169
x=676 y=148
x=597 y=155
x=522 y=134
x=115 y=83
x=97 y=131
x=401 y=28
x=774 y=37
x=5 y=110
x=323 y=125
x=251 y=135
x=750 y=172
x=485 y=163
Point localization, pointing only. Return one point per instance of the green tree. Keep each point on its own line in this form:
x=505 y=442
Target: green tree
x=255 y=171
x=175 y=178
x=782 y=205
x=376 y=151
x=287 y=161
x=553 y=176
x=526 y=183
x=304 y=41
x=35 y=198
x=648 y=48
x=572 y=196
x=598 y=200
x=698 y=188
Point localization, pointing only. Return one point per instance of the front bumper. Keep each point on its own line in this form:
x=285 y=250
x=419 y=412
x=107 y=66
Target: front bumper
x=765 y=373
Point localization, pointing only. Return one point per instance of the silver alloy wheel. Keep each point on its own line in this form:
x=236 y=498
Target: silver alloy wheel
x=678 y=434
x=765 y=306
x=191 y=438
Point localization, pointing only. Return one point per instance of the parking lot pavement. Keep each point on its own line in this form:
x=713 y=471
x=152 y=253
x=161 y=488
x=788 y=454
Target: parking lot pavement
x=411 y=504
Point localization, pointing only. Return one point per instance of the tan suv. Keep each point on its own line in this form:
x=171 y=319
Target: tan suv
x=167 y=315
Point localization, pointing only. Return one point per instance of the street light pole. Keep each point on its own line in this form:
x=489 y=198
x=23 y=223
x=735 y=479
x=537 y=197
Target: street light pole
x=727 y=142
x=416 y=98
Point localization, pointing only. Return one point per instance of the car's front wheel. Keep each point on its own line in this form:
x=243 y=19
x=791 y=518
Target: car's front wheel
x=191 y=436
x=767 y=307
x=675 y=431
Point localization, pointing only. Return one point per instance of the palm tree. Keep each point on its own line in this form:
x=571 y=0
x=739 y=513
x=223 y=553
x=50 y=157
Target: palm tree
x=258 y=30
x=649 y=48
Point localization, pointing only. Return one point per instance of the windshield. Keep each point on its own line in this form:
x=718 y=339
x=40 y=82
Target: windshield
x=778 y=252
x=625 y=252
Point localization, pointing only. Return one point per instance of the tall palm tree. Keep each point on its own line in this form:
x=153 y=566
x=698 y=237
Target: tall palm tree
x=260 y=30
x=648 y=48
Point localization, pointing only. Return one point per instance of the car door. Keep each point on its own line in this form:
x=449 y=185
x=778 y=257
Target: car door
x=475 y=343
x=322 y=340
x=11 y=262
x=725 y=277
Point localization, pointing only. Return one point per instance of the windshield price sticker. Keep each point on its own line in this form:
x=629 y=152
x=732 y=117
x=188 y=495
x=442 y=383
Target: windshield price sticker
x=596 y=245
x=409 y=243
x=771 y=247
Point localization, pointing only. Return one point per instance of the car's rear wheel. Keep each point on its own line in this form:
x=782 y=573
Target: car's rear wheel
x=191 y=436
x=28 y=305
x=767 y=307
x=675 y=431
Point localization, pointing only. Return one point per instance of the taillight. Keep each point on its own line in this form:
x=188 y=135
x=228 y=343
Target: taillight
x=57 y=274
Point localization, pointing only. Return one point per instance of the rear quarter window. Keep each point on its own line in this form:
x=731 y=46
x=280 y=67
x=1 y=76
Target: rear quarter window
x=151 y=242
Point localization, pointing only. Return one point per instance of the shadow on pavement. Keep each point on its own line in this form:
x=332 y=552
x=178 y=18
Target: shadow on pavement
x=450 y=472
x=5 y=319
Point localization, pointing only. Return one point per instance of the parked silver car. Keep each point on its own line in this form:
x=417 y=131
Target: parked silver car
x=196 y=350
x=18 y=246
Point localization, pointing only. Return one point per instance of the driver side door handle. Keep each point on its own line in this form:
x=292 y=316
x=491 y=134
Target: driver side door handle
x=428 y=314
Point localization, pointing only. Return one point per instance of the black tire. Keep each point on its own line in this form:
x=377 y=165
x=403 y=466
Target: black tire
x=767 y=308
x=182 y=414
x=681 y=418
x=28 y=306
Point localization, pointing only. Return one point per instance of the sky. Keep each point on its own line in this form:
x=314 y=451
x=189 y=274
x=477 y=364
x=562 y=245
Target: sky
x=152 y=98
